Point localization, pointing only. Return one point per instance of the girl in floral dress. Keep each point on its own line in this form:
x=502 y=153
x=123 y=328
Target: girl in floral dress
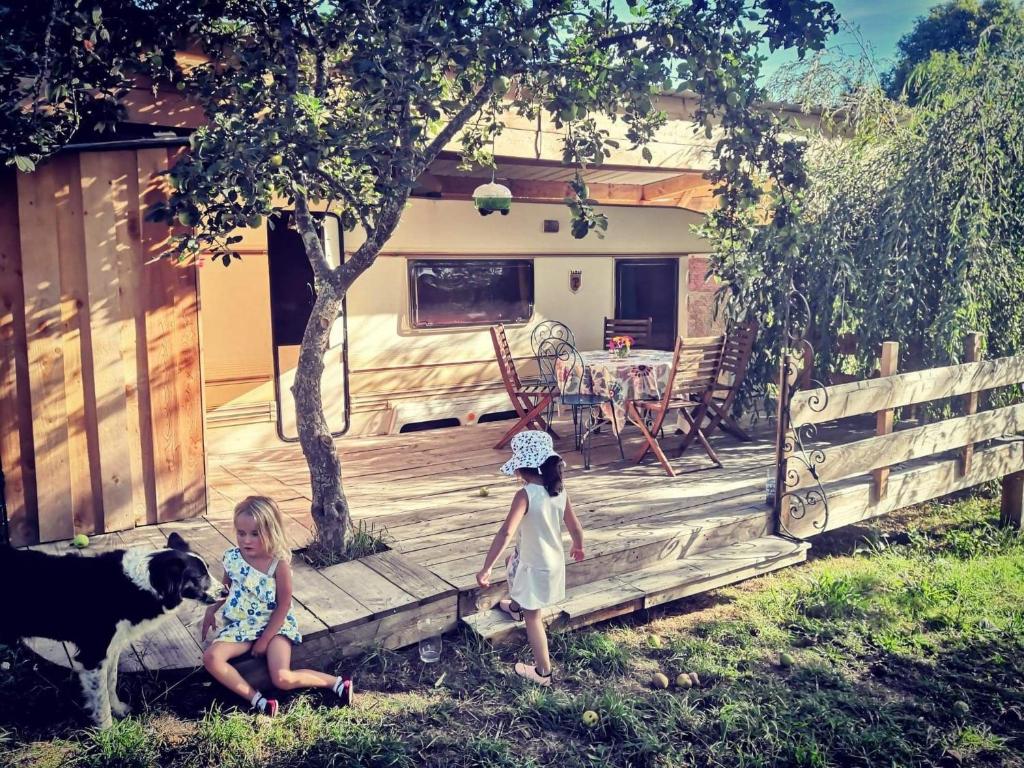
x=256 y=614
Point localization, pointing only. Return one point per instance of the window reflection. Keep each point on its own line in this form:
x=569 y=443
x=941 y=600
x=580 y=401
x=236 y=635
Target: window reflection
x=476 y=292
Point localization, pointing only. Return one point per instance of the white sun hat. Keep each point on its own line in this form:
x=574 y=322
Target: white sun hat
x=530 y=449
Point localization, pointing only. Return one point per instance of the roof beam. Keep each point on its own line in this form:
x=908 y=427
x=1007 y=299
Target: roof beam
x=698 y=198
x=671 y=189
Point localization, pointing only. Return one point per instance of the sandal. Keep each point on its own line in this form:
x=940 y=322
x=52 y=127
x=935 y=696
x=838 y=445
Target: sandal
x=505 y=606
x=529 y=672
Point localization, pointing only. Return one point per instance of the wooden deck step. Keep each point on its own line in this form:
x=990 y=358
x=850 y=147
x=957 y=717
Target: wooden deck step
x=656 y=584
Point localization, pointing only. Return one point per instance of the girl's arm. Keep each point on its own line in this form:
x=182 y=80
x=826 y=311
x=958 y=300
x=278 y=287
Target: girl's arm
x=572 y=523
x=210 y=619
x=283 y=577
x=504 y=535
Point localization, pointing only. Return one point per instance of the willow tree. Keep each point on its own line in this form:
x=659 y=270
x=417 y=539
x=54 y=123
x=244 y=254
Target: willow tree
x=908 y=229
x=349 y=102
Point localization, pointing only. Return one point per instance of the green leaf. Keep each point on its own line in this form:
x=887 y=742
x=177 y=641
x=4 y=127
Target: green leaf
x=24 y=164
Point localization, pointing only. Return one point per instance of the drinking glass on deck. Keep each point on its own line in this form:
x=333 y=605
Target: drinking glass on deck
x=430 y=628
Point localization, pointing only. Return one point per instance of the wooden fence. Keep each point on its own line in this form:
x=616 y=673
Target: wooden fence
x=830 y=484
x=101 y=419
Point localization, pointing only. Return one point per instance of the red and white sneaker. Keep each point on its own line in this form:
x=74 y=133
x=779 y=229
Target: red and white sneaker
x=267 y=707
x=345 y=691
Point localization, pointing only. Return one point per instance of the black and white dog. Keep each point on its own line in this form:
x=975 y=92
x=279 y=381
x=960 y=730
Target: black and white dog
x=98 y=603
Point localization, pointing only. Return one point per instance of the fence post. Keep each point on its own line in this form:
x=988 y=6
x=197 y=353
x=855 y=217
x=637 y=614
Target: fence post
x=972 y=354
x=1012 y=508
x=887 y=366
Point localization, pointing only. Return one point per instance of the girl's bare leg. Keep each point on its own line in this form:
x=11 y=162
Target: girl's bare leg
x=217 y=659
x=537 y=634
x=284 y=678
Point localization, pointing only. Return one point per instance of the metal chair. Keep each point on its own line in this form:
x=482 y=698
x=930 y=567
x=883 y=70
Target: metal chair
x=554 y=354
x=639 y=329
x=551 y=329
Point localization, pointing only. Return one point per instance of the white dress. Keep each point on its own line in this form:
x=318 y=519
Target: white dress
x=536 y=569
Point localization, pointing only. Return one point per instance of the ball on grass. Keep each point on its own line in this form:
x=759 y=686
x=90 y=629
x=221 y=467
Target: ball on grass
x=683 y=681
x=590 y=718
x=786 y=660
x=654 y=641
x=80 y=541
x=694 y=679
x=659 y=680
x=961 y=707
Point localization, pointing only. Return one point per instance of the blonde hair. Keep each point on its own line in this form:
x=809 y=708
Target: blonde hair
x=269 y=523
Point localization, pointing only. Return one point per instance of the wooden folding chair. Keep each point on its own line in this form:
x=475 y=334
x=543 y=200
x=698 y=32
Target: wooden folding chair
x=529 y=400
x=696 y=365
x=739 y=346
x=640 y=330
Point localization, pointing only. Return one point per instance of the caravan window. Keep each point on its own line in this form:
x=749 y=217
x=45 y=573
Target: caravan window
x=477 y=292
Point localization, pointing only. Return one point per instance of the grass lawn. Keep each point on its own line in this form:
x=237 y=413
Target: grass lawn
x=904 y=646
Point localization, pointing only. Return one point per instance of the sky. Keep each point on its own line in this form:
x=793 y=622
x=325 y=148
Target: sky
x=881 y=24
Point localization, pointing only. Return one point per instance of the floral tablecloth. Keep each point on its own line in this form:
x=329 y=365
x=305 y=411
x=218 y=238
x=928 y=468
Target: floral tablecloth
x=642 y=375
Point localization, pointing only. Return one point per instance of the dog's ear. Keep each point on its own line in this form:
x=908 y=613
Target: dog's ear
x=174 y=541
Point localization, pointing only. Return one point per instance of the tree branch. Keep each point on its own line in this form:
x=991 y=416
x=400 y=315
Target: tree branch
x=311 y=238
x=363 y=258
x=455 y=125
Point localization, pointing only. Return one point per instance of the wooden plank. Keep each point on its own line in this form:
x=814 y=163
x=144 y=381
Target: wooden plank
x=189 y=393
x=872 y=395
x=192 y=452
x=395 y=631
x=852 y=503
x=41 y=279
x=883 y=419
x=134 y=353
x=618 y=595
x=169 y=646
x=369 y=588
x=102 y=254
x=709 y=580
x=16 y=449
x=972 y=354
x=53 y=651
x=83 y=446
x=614 y=598
x=411 y=577
x=324 y=599
x=865 y=455
x=1011 y=510
x=161 y=326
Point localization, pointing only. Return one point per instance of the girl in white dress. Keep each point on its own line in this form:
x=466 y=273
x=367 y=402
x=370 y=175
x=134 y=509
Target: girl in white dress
x=536 y=568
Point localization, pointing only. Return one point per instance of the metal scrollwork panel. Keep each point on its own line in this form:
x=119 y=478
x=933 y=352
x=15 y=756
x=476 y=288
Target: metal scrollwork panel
x=801 y=496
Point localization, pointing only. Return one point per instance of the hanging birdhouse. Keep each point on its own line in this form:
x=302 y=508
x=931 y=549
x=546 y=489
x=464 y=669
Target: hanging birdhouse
x=492 y=197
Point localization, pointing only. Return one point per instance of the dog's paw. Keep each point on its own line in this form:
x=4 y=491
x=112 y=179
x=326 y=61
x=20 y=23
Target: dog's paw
x=119 y=709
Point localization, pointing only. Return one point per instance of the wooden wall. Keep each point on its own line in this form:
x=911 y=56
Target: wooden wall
x=101 y=418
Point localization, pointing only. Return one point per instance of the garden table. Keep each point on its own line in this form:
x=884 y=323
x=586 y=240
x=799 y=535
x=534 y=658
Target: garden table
x=640 y=376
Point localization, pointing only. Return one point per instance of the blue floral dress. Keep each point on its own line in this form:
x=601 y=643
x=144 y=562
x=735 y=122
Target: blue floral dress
x=251 y=599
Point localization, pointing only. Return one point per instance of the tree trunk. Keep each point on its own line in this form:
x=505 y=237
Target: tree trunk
x=330 y=507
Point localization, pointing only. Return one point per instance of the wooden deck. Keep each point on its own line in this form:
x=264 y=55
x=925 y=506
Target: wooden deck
x=649 y=538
